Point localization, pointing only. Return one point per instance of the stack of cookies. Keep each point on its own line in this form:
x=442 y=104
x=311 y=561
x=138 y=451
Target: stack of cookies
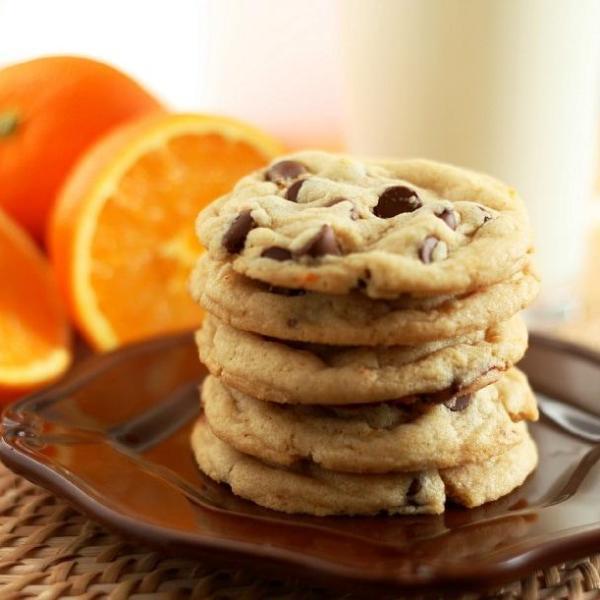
x=361 y=333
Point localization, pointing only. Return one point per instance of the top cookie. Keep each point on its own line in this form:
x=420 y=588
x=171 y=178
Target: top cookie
x=333 y=224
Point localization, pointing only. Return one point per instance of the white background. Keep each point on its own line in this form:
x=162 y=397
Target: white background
x=272 y=62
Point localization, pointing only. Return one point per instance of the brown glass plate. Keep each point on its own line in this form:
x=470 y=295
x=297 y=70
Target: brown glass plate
x=113 y=439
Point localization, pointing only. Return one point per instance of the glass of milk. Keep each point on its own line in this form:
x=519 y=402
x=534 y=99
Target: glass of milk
x=508 y=87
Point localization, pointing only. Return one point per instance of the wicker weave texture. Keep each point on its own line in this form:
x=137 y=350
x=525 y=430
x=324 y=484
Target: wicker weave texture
x=48 y=551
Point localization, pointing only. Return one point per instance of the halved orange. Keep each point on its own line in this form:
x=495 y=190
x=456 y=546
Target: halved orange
x=34 y=332
x=122 y=235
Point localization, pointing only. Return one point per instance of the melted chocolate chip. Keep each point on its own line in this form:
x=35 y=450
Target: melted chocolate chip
x=455 y=387
x=323 y=243
x=235 y=237
x=396 y=200
x=449 y=217
x=426 y=250
x=441 y=396
x=415 y=487
x=292 y=322
x=276 y=253
x=292 y=192
x=458 y=403
x=285 y=170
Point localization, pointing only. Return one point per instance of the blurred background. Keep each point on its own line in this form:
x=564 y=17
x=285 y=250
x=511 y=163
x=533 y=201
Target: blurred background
x=509 y=87
x=275 y=64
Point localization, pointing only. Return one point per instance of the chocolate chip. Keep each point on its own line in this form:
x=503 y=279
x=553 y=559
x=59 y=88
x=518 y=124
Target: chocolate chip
x=276 y=253
x=292 y=322
x=449 y=217
x=426 y=250
x=456 y=386
x=396 y=200
x=235 y=237
x=415 y=487
x=458 y=403
x=292 y=192
x=324 y=242
x=283 y=291
x=285 y=170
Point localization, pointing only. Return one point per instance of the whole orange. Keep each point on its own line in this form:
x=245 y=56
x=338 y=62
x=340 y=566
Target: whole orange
x=51 y=110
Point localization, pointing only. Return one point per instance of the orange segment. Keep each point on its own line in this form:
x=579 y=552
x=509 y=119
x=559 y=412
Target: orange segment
x=122 y=236
x=34 y=335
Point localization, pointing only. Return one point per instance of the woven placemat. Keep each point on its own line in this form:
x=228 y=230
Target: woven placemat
x=49 y=550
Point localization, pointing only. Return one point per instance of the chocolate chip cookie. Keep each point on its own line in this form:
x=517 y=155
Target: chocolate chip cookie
x=354 y=319
x=303 y=373
x=361 y=332
x=376 y=438
x=333 y=224
x=312 y=490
